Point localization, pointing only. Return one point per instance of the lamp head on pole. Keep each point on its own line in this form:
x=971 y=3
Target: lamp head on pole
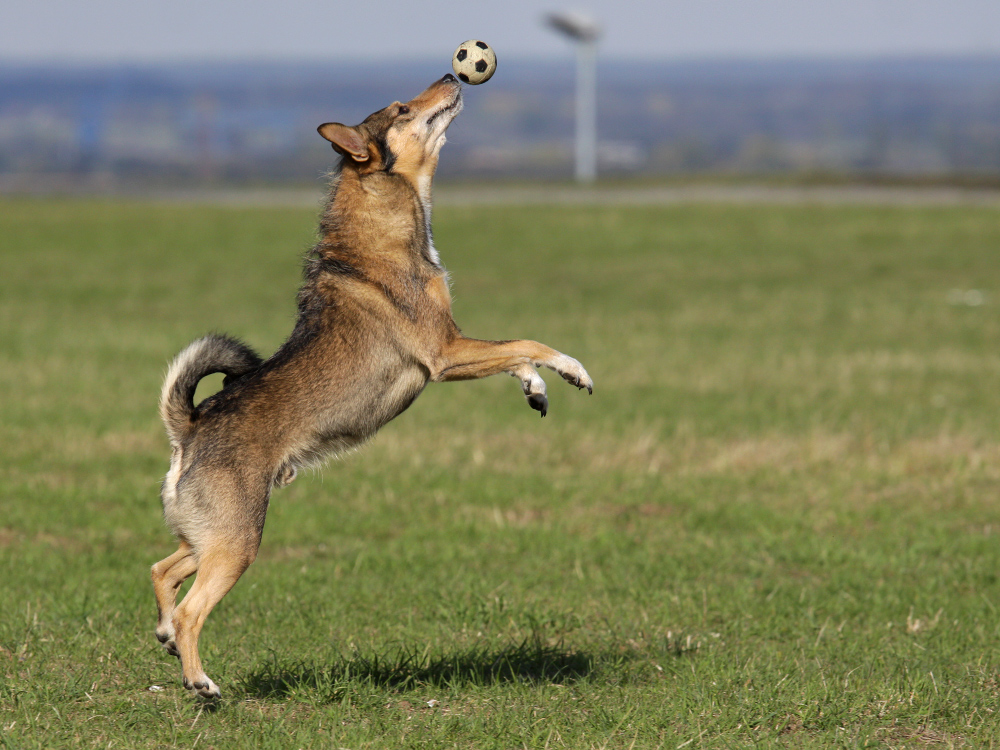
x=578 y=26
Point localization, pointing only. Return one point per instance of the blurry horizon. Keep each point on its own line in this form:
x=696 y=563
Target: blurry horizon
x=117 y=126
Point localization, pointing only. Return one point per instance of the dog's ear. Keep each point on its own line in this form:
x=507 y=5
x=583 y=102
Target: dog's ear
x=346 y=140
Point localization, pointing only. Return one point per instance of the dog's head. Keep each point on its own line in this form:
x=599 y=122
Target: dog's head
x=402 y=139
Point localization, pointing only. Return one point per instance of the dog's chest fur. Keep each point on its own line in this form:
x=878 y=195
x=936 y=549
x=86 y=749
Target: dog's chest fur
x=373 y=311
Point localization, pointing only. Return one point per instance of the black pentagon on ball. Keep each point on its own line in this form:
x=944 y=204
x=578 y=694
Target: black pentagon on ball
x=462 y=54
x=465 y=78
x=481 y=66
x=482 y=45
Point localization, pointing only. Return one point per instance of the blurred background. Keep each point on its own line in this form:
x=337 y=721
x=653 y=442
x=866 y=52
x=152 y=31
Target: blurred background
x=115 y=95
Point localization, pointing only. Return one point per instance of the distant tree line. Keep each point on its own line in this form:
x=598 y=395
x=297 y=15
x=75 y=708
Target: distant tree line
x=255 y=123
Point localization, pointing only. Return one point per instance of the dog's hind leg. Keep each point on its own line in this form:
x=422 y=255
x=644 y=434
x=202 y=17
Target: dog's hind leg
x=219 y=568
x=168 y=575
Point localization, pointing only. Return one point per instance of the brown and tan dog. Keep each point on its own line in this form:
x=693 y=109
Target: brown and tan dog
x=374 y=327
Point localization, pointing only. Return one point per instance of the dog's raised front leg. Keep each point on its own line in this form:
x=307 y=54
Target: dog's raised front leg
x=467 y=359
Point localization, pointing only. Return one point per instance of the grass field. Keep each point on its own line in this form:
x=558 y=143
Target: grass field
x=775 y=522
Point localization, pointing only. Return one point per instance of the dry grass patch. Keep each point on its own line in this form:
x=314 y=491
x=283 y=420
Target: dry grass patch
x=684 y=454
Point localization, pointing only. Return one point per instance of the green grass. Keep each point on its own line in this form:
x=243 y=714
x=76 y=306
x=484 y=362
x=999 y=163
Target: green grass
x=774 y=523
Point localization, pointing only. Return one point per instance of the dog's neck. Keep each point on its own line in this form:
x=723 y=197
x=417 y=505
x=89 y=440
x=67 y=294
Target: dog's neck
x=375 y=219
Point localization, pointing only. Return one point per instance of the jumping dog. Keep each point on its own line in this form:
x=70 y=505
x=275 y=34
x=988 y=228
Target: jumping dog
x=374 y=327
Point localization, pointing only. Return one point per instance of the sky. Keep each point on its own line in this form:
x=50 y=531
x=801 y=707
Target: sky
x=209 y=30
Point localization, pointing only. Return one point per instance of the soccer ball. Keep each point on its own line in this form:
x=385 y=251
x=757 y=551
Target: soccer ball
x=474 y=62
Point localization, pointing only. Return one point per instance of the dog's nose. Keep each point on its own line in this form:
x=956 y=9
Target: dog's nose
x=449 y=78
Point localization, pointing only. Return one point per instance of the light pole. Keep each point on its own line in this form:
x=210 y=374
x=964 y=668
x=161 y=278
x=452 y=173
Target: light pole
x=583 y=30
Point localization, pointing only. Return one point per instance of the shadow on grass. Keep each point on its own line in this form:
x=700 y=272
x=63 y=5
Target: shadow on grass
x=527 y=662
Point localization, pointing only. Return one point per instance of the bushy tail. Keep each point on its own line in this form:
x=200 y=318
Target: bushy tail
x=202 y=357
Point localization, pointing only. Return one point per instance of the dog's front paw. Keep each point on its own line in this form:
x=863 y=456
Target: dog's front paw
x=533 y=387
x=572 y=372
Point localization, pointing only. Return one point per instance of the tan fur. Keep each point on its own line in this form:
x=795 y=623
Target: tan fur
x=374 y=327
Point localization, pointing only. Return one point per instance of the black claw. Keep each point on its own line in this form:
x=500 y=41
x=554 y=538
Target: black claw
x=538 y=402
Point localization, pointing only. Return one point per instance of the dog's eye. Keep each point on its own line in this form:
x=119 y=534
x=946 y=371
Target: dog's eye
x=403 y=109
